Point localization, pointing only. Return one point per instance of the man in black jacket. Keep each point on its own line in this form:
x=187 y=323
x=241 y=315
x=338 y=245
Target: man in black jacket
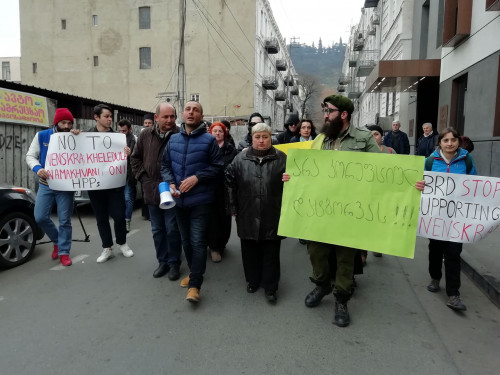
x=146 y=163
x=290 y=129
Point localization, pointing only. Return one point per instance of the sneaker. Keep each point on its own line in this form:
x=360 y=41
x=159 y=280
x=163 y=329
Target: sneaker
x=55 y=252
x=433 y=286
x=455 y=303
x=271 y=296
x=185 y=282
x=126 y=251
x=106 y=254
x=215 y=255
x=193 y=295
x=65 y=260
x=127 y=225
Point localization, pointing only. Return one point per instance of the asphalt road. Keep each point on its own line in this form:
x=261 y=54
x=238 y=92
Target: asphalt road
x=115 y=318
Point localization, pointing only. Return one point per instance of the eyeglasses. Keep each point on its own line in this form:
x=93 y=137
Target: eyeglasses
x=329 y=110
x=252 y=123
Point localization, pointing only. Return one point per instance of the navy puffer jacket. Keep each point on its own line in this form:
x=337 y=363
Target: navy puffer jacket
x=195 y=154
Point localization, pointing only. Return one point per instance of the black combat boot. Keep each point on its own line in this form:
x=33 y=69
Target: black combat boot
x=314 y=298
x=341 y=318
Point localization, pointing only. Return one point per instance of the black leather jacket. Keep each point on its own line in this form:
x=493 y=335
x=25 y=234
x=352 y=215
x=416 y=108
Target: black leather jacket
x=255 y=190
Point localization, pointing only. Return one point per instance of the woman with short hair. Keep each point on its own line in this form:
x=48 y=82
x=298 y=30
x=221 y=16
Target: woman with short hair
x=255 y=189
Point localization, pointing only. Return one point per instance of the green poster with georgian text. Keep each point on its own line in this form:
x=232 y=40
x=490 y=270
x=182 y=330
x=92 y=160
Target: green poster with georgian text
x=361 y=200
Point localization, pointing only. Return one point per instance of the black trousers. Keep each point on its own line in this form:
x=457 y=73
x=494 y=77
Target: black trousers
x=261 y=263
x=109 y=203
x=219 y=227
x=450 y=251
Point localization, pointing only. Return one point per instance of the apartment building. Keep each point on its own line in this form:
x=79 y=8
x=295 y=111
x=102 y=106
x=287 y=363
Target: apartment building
x=439 y=63
x=229 y=55
x=11 y=69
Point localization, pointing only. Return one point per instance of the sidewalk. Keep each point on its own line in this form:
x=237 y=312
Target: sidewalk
x=481 y=262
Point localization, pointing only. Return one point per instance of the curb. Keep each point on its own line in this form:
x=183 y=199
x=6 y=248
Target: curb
x=487 y=283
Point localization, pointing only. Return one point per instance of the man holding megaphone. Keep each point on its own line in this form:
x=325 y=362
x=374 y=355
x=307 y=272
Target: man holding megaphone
x=146 y=162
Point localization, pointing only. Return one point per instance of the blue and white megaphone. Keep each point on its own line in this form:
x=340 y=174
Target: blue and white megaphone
x=166 y=200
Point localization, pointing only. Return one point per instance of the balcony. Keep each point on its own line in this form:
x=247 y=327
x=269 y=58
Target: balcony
x=281 y=65
x=270 y=83
x=289 y=81
x=359 y=43
x=344 y=80
x=371 y=3
x=353 y=60
x=366 y=62
x=375 y=18
x=294 y=90
x=279 y=96
x=341 y=88
x=372 y=30
x=271 y=45
x=354 y=90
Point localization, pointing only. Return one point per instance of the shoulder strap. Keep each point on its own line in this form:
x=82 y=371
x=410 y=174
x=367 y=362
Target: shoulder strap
x=390 y=150
x=428 y=163
x=468 y=164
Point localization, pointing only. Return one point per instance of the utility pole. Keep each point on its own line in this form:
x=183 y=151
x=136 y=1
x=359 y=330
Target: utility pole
x=181 y=73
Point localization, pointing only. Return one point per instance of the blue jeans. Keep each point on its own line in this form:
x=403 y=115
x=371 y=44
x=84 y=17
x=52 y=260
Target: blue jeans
x=45 y=199
x=130 y=193
x=166 y=235
x=193 y=225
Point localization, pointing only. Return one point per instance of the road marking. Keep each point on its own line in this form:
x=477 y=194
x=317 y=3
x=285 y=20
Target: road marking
x=76 y=259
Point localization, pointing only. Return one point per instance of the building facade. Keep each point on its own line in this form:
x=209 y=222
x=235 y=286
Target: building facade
x=228 y=55
x=11 y=69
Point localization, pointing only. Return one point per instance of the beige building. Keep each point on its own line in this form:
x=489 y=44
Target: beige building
x=11 y=69
x=235 y=61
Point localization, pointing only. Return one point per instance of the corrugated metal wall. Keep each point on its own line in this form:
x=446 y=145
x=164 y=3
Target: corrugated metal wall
x=15 y=140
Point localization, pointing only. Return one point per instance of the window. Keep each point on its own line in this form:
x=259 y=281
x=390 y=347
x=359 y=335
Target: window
x=457 y=112
x=144 y=17
x=95 y=20
x=145 y=58
x=96 y=60
x=195 y=97
x=35 y=68
x=6 y=70
x=457 y=21
x=63 y=24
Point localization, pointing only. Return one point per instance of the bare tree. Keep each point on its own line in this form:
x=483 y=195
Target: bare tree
x=310 y=90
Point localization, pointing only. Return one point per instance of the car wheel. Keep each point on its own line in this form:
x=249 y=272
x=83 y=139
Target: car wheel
x=17 y=239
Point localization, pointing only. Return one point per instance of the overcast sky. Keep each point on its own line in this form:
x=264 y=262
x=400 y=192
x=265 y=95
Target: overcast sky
x=305 y=19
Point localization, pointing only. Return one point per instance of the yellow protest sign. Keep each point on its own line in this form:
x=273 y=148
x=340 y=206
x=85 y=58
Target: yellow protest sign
x=287 y=146
x=361 y=200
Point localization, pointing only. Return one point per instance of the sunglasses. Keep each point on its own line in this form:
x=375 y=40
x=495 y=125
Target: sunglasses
x=252 y=123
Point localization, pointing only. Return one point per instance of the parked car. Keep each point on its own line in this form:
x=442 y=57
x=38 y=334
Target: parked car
x=18 y=229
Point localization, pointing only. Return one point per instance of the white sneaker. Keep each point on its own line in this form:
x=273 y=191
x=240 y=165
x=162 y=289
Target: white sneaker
x=106 y=254
x=126 y=251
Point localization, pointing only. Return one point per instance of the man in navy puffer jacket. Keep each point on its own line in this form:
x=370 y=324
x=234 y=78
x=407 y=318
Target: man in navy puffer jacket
x=191 y=163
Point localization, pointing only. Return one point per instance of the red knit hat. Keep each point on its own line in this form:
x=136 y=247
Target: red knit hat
x=63 y=114
x=223 y=127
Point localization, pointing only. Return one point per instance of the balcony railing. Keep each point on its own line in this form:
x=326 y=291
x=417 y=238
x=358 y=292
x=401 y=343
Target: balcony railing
x=279 y=96
x=271 y=45
x=289 y=81
x=354 y=90
x=366 y=62
x=353 y=59
x=375 y=18
x=359 y=43
x=281 y=65
x=341 y=88
x=344 y=79
x=270 y=83
x=294 y=90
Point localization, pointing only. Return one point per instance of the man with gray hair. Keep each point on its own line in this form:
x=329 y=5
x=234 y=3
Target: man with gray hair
x=426 y=144
x=397 y=139
x=146 y=163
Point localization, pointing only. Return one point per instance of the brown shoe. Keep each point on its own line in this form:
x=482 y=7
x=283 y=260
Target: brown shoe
x=215 y=255
x=193 y=295
x=185 y=282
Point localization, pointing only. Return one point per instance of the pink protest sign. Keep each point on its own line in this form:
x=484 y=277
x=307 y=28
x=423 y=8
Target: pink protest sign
x=87 y=161
x=459 y=207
